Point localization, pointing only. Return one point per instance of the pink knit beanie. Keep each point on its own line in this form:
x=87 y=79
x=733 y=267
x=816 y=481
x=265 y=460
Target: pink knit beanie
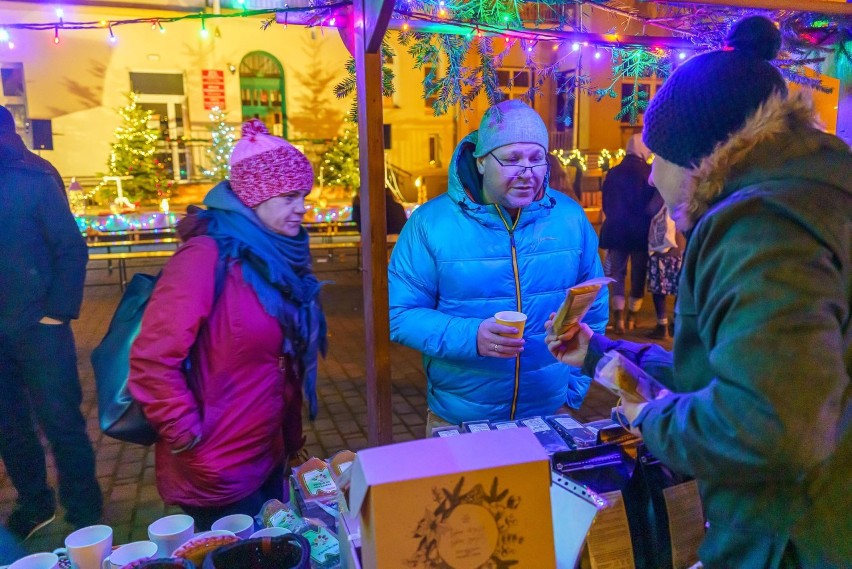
x=264 y=166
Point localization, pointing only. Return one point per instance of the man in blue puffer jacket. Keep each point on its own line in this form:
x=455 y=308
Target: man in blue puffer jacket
x=499 y=239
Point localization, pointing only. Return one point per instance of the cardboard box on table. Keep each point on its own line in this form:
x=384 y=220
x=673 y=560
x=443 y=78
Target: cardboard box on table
x=456 y=502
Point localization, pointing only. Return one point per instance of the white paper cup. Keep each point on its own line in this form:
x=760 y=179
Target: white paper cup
x=215 y=533
x=171 y=532
x=126 y=554
x=241 y=524
x=270 y=532
x=37 y=561
x=89 y=546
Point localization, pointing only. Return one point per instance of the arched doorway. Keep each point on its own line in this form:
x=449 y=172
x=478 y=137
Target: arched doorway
x=262 y=91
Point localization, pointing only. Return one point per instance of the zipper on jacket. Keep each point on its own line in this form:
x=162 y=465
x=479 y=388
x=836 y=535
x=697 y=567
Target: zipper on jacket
x=516 y=276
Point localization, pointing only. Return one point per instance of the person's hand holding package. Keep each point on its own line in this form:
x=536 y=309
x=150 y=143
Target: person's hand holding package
x=571 y=346
x=493 y=340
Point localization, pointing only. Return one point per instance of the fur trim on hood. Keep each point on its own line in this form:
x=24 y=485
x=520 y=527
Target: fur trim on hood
x=785 y=127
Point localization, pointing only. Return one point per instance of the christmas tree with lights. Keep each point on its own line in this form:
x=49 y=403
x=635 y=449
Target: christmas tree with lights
x=133 y=155
x=223 y=144
x=340 y=162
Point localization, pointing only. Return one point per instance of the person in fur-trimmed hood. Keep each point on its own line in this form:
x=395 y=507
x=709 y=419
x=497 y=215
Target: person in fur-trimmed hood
x=760 y=408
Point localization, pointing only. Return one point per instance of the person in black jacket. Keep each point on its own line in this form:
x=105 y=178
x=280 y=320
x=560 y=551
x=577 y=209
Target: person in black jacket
x=624 y=233
x=394 y=213
x=42 y=271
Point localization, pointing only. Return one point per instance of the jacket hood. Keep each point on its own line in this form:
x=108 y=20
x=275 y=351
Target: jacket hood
x=11 y=147
x=783 y=139
x=465 y=189
x=222 y=197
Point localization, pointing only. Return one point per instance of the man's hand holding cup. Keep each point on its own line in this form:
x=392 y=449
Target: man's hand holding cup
x=501 y=336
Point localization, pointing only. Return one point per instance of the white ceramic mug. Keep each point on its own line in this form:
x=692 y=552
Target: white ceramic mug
x=126 y=554
x=171 y=532
x=241 y=524
x=215 y=533
x=270 y=532
x=89 y=546
x=37 y=561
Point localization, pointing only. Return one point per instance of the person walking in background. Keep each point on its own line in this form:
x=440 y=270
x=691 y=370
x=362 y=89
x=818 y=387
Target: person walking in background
x=559 y=178
x=394 y=213
x=42 y=271
x=499 y=239
x=665 y=257
x=624 y=233
x=760 y=408
x=239 y=299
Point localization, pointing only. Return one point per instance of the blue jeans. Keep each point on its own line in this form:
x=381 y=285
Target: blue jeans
x=39 y=383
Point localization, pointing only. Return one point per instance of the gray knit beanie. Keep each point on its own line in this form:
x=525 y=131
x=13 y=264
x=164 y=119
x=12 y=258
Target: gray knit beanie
x=507 y=123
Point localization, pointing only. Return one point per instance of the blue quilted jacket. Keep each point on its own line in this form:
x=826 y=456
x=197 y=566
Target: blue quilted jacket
x=453 y=267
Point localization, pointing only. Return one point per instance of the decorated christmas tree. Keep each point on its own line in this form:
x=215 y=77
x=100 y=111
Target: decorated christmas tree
x=340 y=163
x=223 y=144
x=133 y=155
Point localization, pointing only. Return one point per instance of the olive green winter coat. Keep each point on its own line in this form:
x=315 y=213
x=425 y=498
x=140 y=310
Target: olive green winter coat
x=760 y=372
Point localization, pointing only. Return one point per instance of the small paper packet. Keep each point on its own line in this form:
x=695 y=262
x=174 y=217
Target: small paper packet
x=627 y=380
x=578 y=300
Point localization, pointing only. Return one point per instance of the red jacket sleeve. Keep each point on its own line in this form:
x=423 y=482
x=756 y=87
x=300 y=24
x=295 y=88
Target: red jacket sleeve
x=181 y=303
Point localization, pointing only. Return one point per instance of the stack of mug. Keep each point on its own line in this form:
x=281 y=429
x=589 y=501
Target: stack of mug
x=92 y=548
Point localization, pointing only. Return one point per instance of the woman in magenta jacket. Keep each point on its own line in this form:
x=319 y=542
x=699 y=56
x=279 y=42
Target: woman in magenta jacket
x=228 y=422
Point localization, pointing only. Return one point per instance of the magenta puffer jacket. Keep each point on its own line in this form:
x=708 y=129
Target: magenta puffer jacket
x=240 y=397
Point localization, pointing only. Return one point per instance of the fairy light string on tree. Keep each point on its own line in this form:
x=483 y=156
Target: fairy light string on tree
x=133 y=155
x=222 y=144
x=340 y=162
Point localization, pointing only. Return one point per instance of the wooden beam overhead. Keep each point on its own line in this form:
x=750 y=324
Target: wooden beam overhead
x=820 y=6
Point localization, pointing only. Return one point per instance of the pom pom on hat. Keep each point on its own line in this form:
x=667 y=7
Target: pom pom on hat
x=756 y=36
x=711 y=95
x=264 y=166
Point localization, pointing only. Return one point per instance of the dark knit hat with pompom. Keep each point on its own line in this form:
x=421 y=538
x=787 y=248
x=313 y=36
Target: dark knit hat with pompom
x=711 y=95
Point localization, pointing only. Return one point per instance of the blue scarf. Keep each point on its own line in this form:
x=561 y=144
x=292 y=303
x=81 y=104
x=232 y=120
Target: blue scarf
x=278 y=268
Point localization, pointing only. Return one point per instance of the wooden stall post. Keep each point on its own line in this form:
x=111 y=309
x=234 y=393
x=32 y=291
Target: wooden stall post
x=370 y=23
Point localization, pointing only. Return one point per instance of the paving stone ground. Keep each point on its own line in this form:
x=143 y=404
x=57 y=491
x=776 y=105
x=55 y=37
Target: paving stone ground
x=126 y=471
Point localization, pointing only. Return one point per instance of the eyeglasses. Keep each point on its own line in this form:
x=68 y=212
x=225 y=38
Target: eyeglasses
x=513 y=171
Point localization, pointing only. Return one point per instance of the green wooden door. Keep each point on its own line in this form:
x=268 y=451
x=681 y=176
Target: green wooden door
x=262 y=91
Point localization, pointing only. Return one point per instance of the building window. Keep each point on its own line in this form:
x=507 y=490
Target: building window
x=514 y=83
x=432 y=99
x=157 y=83
x=647 y=88
x=13 y=81
x=565 y=97
x=435 y=150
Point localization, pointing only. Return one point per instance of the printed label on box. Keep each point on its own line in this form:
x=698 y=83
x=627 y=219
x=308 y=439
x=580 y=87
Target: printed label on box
x=319 y=482
x=463 y=528
x=503 y=426
x=478 y=427
x=686 y=522
x=537 y=425
x=468 y=537
x=323 y=544
x=568 y=423
x=449 y=433
x=610 y=546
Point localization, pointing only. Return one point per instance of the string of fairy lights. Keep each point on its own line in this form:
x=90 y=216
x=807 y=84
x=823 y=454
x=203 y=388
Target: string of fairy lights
x=331 y=14
x=159 y=23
